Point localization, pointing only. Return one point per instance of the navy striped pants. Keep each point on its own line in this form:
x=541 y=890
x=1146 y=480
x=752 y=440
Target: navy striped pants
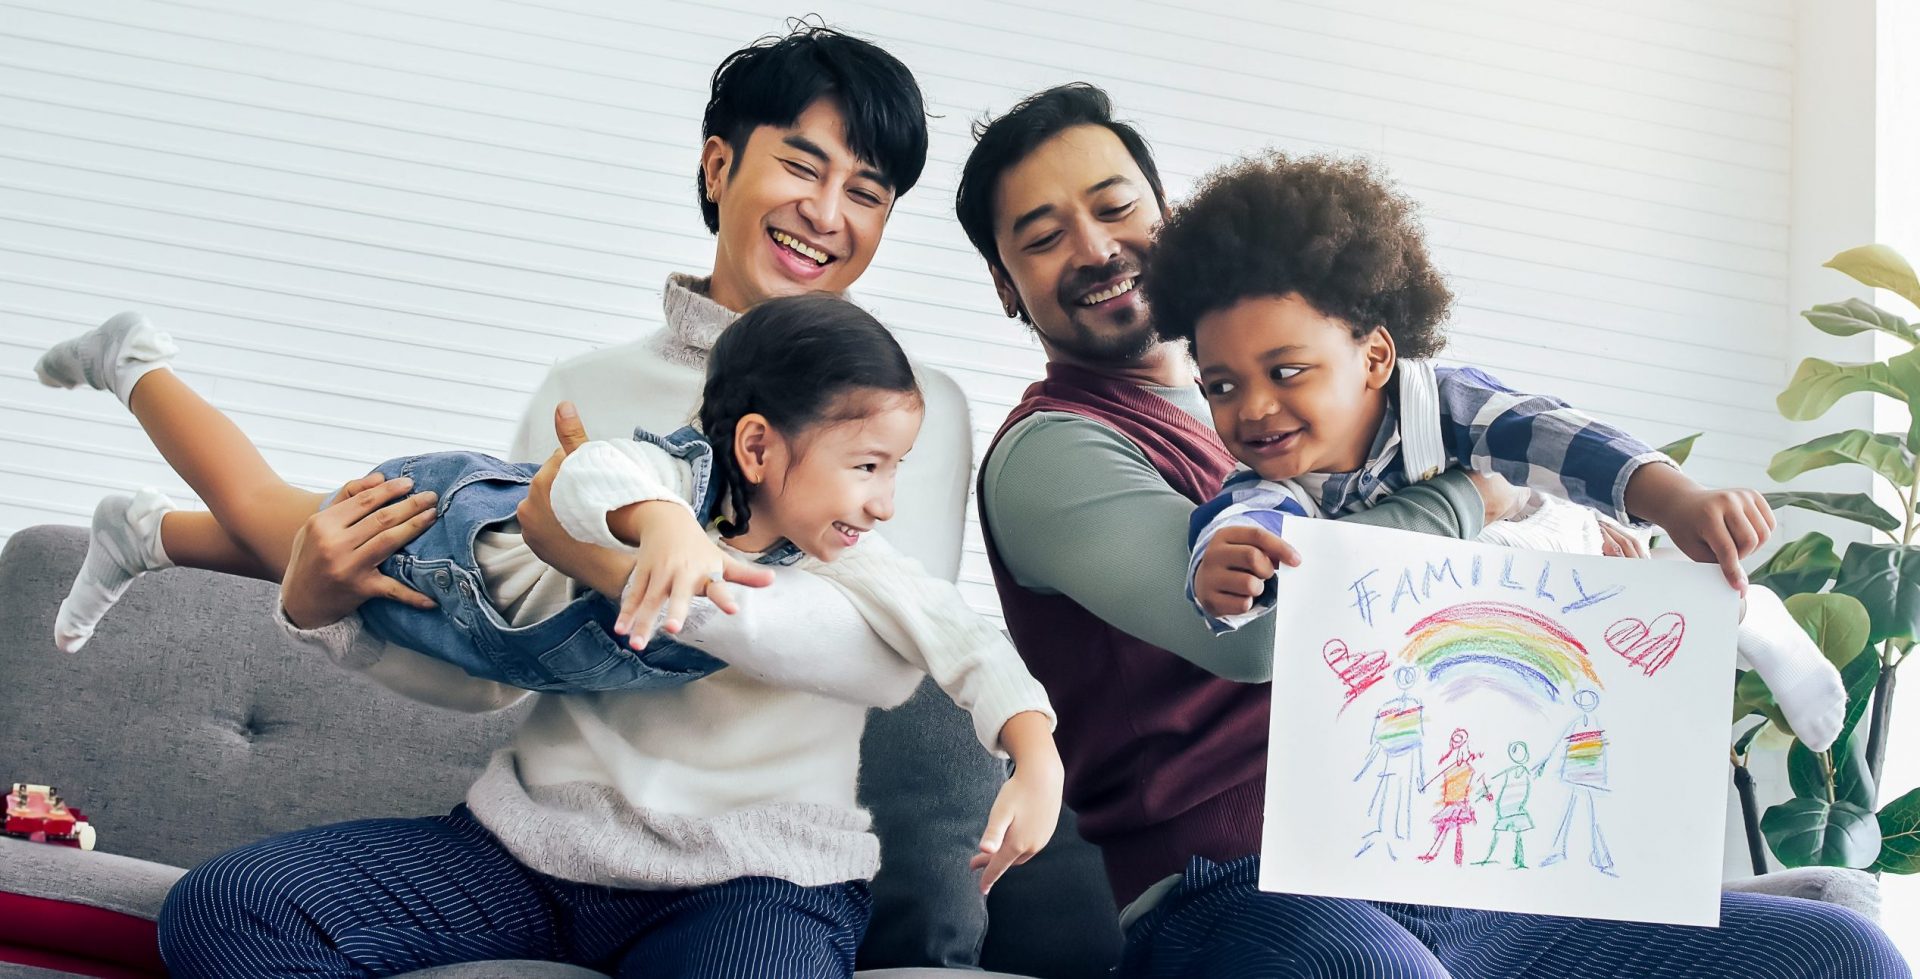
x=385 y=896
x=1217 y=922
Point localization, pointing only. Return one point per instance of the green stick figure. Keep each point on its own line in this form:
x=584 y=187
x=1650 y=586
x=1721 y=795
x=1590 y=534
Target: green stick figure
x=1510 y=789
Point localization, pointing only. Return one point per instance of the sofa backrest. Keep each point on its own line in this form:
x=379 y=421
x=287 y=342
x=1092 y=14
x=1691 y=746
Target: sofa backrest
x=190 y=725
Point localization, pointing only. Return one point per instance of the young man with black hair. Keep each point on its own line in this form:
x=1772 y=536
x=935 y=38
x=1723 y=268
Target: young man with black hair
x=640 y=834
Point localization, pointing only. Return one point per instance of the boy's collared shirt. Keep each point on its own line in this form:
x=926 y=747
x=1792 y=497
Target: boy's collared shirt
x=1532 y=440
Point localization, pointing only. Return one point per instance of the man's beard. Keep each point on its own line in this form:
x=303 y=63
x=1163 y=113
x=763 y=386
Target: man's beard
x=1125 y=345
x=1131 y=338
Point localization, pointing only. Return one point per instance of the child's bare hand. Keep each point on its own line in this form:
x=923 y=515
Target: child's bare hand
x=1235 y=568
x=1021 y=824
x=675 y=563
x=1720 y=527
x=1617 y=541
x=1500 y=498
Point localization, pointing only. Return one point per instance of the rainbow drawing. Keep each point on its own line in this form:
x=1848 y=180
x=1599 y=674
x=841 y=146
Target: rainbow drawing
x=1498 y=647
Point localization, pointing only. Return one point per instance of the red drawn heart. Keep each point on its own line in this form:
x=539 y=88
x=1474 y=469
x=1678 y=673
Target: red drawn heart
x=1648 y=647
x=1357 y=671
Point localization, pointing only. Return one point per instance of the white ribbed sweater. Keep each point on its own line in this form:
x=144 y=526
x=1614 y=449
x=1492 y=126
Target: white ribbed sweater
x=749 y=772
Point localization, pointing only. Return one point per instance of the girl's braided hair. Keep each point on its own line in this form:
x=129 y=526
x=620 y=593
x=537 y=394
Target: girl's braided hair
x=793 y=360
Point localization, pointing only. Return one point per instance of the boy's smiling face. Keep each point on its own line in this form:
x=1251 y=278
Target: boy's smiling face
x=1291 y=390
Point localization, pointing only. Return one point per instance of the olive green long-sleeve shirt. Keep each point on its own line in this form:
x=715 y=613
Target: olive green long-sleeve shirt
x=1076 y=509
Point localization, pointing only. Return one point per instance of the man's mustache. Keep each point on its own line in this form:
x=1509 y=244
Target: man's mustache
x=1083 y=280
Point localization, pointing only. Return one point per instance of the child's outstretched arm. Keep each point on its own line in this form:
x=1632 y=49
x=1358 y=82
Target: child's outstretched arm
x=1539 y=441
x=1714 y=526
x=927 y=621
x=634 y=494
x=1028 y=808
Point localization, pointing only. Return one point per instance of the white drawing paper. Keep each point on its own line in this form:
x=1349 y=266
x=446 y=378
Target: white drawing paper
x=1461 y=724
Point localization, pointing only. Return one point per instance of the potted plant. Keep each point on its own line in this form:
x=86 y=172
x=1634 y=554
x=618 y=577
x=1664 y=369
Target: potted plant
x=1862 y=607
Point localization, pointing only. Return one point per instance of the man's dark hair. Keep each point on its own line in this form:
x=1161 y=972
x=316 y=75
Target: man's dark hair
x=1331 y=229
x=773 y=80
x=1000 y=144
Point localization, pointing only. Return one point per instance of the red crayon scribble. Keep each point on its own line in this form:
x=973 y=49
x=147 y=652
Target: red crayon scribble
x=1648 y=647
x=1357 y=671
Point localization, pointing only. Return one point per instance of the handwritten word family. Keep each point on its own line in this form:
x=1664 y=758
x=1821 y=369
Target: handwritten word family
x=1419 y=585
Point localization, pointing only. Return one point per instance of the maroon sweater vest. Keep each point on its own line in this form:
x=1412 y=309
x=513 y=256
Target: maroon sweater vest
x=1164 y=760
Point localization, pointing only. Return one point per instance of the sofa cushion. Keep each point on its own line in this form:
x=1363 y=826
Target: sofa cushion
x=929 y=785
x=1853 y=889
x=48 y=933
x=84 y=911
x=1054 y=915
x=108 y=881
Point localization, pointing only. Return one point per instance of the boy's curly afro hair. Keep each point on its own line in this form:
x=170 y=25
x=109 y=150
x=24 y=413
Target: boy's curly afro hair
x=1332 y=230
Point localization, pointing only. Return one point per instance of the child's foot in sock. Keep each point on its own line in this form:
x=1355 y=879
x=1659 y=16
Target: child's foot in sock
x=111 y=357
x=1806 y=686
x=124 y=544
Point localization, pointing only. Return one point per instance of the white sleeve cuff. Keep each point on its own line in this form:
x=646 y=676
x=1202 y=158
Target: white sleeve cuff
x=346 y=642
x=603 y=476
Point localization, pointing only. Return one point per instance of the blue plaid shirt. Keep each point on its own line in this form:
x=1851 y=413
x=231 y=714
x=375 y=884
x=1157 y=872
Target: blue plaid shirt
x=1530 y=439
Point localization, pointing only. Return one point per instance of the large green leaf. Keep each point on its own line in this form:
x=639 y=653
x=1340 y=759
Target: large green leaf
x=1858 y=507
x=1817 y=384
x=1881 y=452
x=1886 y=579
x=1679 y=449
x=1751 y=696
x=1839 y=624
x=1900 y=846
x=1804 y=565
x=1880 y=267
x=1814 y=833
x=1808 y=775
x=1860 y=677
x=1844 y=319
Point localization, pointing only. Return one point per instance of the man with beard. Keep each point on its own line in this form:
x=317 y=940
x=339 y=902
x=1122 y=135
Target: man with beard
x=1085 y=497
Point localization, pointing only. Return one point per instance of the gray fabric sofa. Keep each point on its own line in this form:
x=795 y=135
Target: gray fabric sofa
x=189 y=725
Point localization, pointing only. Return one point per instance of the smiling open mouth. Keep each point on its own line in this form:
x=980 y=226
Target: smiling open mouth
x=1114 y=291
x=800 y=248
x=848 y=533
x=1271 y=441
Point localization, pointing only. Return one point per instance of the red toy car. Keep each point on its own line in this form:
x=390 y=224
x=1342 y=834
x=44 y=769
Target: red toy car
x=36 y=812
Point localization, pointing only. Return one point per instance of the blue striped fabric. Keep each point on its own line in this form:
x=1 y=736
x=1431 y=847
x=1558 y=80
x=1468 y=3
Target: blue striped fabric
x=1218 y=923
x=386 y=896
x=1245 y=500
x=1533 y=440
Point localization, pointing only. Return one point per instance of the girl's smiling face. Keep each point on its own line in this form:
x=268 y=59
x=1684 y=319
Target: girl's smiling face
x=826 y=487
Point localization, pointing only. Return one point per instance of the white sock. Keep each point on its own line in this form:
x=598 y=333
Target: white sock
x=1806 y=686
x=1548 y=523
x=123 y=544
x=111 y=357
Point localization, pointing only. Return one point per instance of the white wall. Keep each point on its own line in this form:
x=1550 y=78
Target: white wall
x=1897 y=223
x=373 y=225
